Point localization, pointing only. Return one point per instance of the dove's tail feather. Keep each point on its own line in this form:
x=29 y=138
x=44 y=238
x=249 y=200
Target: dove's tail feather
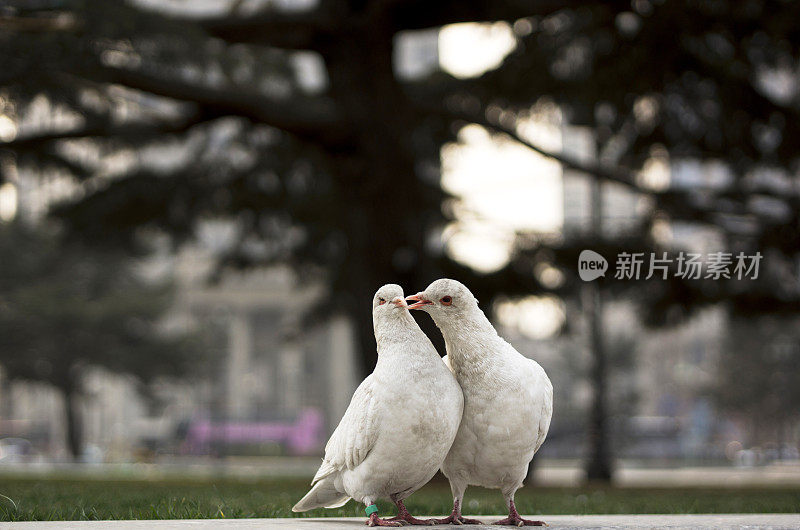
x=322 y=495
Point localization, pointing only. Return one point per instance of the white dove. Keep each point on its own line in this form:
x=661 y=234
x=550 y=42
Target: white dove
x=399 y=425
x=508 y=400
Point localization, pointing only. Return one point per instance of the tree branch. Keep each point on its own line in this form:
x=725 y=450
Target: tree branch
x=676 y=202
x=726 y=75
x=302 y=30
x=105 y=130
x=40 y=24
x=313 y=118
x=422 y=14
x=310 y=29
x=622 y=176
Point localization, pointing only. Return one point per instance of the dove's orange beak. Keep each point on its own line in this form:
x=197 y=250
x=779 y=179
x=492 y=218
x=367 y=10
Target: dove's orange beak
x=420 y=300
x=399 y=302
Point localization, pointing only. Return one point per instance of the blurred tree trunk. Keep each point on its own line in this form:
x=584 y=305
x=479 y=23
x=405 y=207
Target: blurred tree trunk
x=598 y=463
x=6 y=406
x=377 y=167
x=74 y=423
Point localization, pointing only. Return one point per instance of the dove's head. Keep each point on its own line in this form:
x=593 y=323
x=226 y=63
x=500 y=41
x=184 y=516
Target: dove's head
x=388 y=302
x=391 y=319
x=444 y=299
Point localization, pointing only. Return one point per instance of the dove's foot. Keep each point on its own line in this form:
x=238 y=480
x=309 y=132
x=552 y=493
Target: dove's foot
x=410 y=519
x=457 y=520
x=374 y=520
x=454 y=518
x=519 y=521
x=404 y=516
x=514 y=519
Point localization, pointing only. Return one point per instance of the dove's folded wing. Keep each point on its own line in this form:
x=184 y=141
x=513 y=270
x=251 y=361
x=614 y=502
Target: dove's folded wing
x=543 y=405
x=355 y=435
x=544 y=420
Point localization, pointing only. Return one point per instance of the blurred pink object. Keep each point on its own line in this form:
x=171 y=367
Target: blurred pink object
x=303 y=436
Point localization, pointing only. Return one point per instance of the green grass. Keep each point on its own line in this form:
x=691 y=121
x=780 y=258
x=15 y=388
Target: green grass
x=58 y=499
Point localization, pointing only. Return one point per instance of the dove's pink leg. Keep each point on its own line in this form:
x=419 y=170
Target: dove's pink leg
x=455 y=516
x=514 y=519
x=374 y=520
x=403 y=515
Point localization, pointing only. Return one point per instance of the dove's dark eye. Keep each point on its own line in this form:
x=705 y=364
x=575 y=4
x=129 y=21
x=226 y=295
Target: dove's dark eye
x=381 y=301
x=446 y=300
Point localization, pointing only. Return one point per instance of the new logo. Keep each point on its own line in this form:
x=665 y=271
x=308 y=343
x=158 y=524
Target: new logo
x=591 y=265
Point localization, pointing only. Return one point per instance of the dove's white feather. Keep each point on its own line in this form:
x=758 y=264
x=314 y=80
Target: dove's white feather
x=400 y=423
x=355 y=435
x=508 y=398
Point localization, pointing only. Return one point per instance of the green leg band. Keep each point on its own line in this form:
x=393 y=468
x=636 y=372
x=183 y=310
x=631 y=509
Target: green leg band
x=371 y=509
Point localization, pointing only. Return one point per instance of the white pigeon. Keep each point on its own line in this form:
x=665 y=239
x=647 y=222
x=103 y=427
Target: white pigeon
x=508 y=400
x=399 y=425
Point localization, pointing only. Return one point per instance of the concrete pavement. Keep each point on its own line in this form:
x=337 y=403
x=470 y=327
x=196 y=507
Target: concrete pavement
x=772 y=521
